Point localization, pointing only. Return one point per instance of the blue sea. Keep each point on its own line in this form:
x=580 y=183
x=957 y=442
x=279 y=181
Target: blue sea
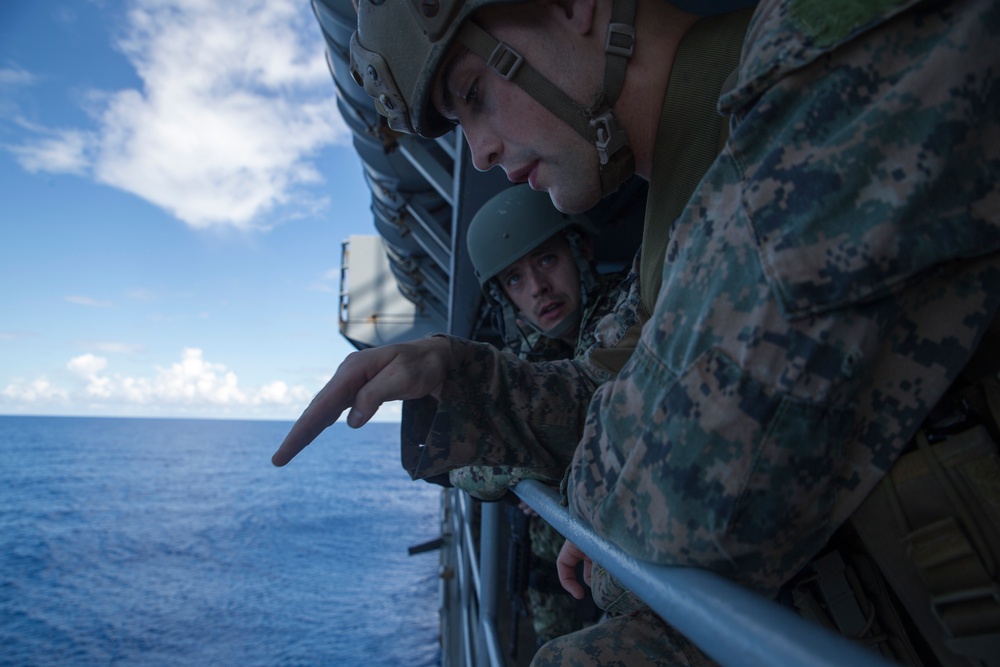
x=176 y=542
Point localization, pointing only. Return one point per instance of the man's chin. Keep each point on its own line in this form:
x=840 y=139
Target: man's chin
x=573 y=202
x=551 y=327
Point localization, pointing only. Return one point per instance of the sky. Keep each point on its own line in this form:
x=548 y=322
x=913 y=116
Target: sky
x=175 y=185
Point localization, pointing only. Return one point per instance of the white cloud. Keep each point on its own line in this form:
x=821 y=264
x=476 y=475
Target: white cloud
x=191 y=386
x=87 y=365
x=15 y=335
x=390 y=412
x=329 y=282
x=141 y=294
x=275 y=392
x=235 y=100
x=15 y=76
x=86 y=301
x=61 y=152
x=38 y=390
x=192 y=380
x=113 y=347
x=322 y=287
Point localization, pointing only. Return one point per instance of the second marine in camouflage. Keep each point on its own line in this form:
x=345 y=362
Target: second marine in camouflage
x=535 y=266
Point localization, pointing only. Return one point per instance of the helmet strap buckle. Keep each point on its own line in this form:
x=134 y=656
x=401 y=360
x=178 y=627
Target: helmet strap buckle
x=620 y=40
x=505 y=61
x=610 y=137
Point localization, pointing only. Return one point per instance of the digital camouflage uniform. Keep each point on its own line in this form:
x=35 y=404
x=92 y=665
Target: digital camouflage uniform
x=491 y=482
x=826 y=283
x=553 y=610
x=855 y=245
x=492 y=398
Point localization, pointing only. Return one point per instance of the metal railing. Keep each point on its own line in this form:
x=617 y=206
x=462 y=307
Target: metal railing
x=731 y=624
x=469 y=584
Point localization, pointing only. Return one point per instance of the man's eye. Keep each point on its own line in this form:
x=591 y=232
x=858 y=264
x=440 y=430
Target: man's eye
x=513 y=280
x=471 y=96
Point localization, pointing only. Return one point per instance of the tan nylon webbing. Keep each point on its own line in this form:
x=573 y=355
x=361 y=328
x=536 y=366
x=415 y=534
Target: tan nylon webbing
x=622 y=11
x=689 y=133
x=530 y=80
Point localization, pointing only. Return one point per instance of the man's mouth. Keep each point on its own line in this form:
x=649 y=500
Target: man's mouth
x=550 y=310
x=523 y=174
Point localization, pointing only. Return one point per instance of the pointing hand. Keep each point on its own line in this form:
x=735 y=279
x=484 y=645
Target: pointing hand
x=364 y=381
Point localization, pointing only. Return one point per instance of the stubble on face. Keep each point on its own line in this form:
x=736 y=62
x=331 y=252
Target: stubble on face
x=548 y=285
x=526 y=132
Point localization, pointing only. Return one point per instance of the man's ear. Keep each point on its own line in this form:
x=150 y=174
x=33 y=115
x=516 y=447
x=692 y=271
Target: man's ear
x=579 y=13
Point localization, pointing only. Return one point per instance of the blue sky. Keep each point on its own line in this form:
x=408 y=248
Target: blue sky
x=175 y=184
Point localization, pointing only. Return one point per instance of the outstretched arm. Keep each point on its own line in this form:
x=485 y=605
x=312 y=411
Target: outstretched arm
x=364 y=381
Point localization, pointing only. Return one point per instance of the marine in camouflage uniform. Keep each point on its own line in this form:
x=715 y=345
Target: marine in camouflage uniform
x=492 y=398
x=825 y=285
x=508 y=227
x=491 y=481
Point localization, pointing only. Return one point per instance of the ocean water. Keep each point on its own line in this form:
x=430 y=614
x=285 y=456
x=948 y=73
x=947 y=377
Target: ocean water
x=175 y=542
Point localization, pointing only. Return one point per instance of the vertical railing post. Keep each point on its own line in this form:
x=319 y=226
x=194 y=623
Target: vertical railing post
x=489 y=578
x=467 y=582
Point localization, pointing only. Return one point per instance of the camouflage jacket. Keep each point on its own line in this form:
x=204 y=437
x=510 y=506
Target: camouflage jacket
x=498 y=410
x=827 y=281
x=825 y=284
x=490 y=482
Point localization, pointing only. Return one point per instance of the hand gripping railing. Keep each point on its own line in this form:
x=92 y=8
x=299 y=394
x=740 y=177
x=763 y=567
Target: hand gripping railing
x=730 y=623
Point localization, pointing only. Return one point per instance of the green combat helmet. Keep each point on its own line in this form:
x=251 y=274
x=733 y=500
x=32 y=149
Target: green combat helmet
x=399 y=47
x=512 y=224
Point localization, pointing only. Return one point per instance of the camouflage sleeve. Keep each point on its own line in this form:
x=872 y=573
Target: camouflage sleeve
x=498 y=410
x=609 y=300
x=826 y=283
x=502 y=419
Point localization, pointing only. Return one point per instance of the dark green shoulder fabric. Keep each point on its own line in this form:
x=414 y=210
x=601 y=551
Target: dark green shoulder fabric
x=826 y=23
x=688 y=137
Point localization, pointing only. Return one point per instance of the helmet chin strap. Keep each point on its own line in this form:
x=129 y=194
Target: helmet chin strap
x=595 y=123
x=564 y=326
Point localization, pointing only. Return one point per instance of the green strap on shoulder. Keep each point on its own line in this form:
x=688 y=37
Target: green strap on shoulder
x=690 y=133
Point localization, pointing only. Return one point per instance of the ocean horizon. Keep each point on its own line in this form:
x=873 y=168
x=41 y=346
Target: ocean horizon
x=163 y=541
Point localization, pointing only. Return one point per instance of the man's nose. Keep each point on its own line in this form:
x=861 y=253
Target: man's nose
x=485 y=148
x=538 y=285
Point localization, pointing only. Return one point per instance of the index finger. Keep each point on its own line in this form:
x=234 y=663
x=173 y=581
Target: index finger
x=321 y=413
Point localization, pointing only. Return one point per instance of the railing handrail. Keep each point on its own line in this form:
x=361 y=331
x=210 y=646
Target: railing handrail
x=732 y=624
